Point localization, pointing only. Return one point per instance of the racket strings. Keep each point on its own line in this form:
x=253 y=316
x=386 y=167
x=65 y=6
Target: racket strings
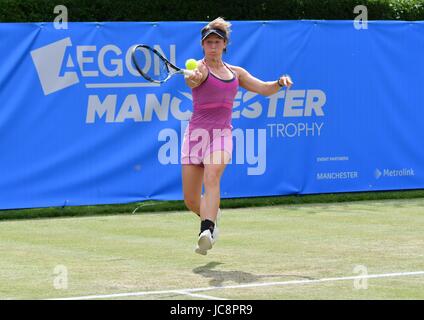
x=150 y=65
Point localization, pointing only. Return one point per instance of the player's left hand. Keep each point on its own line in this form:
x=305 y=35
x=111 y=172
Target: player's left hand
x=286 y=80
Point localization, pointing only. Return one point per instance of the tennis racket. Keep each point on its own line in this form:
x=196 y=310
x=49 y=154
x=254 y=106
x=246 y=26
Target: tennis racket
x=153 y=66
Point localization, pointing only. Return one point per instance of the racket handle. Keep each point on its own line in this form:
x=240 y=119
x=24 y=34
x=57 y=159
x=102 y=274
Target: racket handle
x=187 y=73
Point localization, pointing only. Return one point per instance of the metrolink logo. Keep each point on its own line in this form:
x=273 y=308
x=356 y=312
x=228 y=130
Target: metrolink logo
x=405 y=172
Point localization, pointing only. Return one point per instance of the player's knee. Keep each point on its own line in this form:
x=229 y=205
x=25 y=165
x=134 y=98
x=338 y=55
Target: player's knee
x=211 y=179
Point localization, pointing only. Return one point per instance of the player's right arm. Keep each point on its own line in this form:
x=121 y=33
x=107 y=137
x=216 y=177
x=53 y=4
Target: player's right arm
x=199 y=75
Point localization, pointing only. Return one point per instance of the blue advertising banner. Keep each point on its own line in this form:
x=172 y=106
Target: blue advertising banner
x=79 y=126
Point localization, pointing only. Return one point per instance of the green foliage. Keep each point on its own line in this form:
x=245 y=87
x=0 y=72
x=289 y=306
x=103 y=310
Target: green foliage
x=195 y=10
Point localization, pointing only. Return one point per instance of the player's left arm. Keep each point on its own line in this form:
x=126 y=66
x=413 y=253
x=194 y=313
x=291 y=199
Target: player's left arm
x=254 y=84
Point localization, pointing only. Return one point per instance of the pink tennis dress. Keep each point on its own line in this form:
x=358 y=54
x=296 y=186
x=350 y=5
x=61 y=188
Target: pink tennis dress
x=209 y=129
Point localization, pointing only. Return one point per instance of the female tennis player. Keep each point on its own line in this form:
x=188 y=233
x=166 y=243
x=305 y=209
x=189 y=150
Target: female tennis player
x=207 y=144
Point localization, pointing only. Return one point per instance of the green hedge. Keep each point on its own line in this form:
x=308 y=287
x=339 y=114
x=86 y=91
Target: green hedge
x=180 y=10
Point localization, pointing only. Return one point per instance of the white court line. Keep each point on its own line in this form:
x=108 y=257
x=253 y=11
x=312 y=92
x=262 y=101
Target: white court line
x=196 y=295
x=249 y=285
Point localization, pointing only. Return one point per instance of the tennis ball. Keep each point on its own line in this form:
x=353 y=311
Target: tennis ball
x=191 y=64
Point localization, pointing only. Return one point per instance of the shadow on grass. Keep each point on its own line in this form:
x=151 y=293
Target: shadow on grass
x=218 y=277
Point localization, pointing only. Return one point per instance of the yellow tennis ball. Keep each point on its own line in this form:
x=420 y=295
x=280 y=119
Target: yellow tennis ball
x=191 y=64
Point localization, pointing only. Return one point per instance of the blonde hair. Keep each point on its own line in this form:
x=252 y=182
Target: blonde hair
x=221 y=24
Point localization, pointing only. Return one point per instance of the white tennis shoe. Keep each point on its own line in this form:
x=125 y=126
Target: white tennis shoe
x=204 y=243
x=207 y=239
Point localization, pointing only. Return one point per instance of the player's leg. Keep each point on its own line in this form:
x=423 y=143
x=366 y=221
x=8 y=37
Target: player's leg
x=211 y=179
x=214 y=167
x=217 y=156
x=192 y=176
x=192 y=168
x=215 y=162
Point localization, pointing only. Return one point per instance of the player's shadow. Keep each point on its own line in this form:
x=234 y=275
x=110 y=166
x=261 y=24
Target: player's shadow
x=218 y=277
